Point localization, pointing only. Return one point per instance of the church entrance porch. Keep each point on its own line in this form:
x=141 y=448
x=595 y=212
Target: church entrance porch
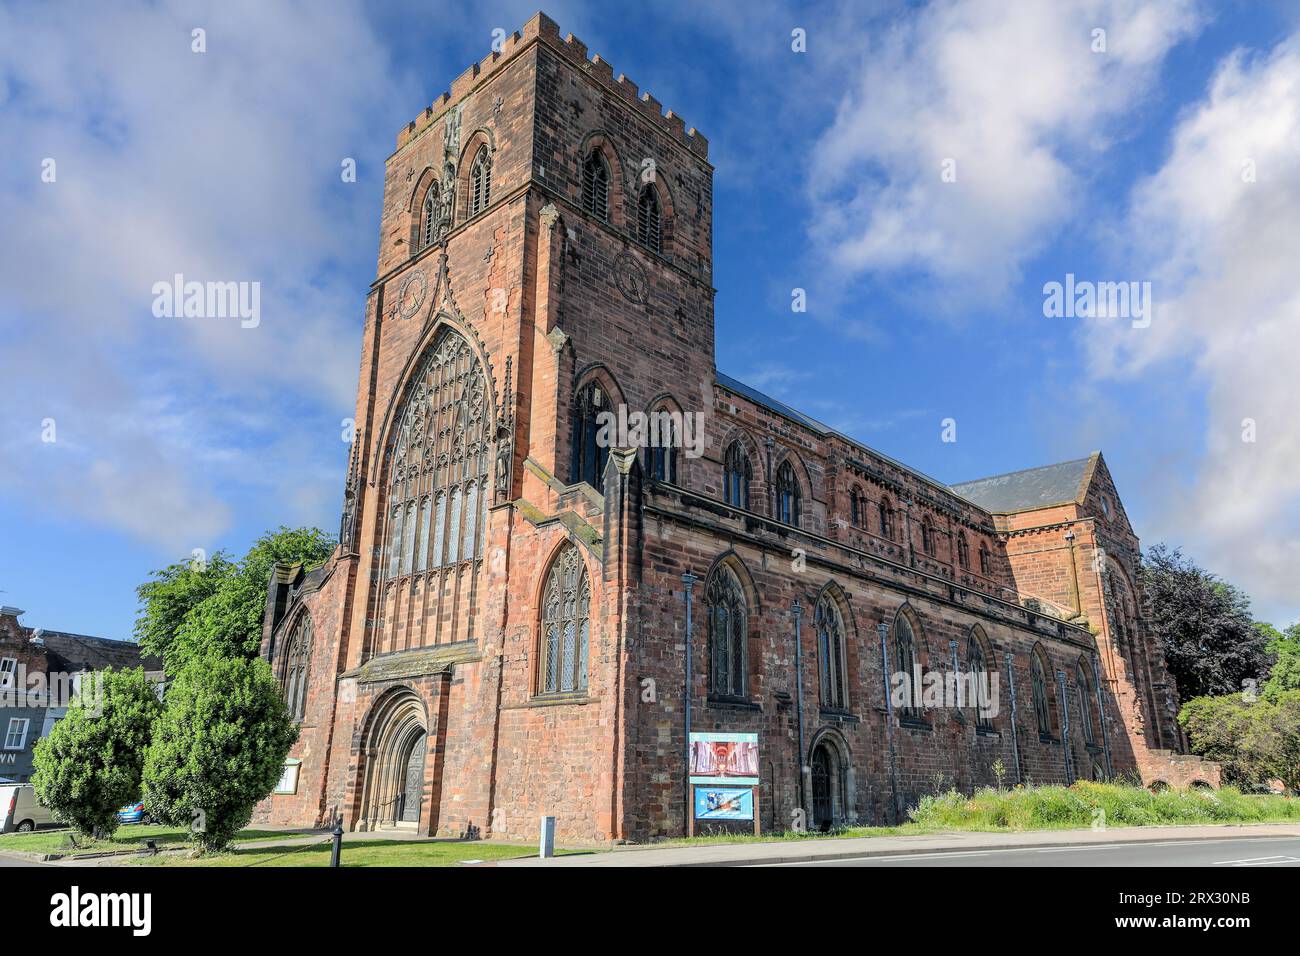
x=394 y=789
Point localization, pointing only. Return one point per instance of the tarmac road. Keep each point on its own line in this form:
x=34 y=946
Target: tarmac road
x=1228 y=852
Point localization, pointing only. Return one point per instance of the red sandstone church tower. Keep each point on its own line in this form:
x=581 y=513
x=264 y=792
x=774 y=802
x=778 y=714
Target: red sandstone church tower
x=501 y=633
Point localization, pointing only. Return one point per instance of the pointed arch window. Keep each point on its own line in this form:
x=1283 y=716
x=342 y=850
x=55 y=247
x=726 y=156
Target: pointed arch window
x=986 y=559
x=1083 y=682
x=661 y=455
x=737 y=474
x=428 y=218
x=480 y=181
x=886 y=519
x=595 y=186
x=927 y=536
x=857 y=507
x=1042 y=705
x=963 y=550
x=294 y=672
x=437 y=458
x=589 y=453
x=647 y=219
x=727 y=610
x=978 y=661
x=787 y=495
x=566 y=625
x=907 y=663
x=831 y=653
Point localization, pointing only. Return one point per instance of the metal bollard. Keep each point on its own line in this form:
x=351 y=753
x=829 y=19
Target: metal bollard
x=338 y=841
x=547 y=848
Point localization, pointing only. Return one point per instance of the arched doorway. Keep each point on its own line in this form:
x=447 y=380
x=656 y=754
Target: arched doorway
x=394 y=785
x=823 y=772
x=830 y=783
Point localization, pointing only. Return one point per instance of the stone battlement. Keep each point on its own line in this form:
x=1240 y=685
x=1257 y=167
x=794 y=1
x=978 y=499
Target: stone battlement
x=542 y=28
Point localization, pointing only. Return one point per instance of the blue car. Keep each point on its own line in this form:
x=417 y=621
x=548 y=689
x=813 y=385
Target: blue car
x=134 y=813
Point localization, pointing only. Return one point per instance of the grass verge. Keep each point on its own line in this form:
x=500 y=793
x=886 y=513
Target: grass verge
x=1085 y=804
x=358 y=853
x=128 y=837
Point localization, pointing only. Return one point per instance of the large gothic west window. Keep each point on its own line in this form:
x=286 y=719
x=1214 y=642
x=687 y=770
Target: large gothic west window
x=724 y=603
x=294 y=667
x=737 y=474
x=830 y=653
x=589 y=455
x=566 y=625
x=436 y=514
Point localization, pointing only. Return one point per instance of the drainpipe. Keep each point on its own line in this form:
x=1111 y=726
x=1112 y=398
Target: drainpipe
x=797 y=610
x=1065 y=726
x=1015 y=734
x=1101 y=712
x=883 y=630
x=689 y=580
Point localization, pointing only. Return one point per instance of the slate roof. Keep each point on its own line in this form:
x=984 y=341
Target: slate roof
x=780 y=408
x=1061 y=483
x=76 y=652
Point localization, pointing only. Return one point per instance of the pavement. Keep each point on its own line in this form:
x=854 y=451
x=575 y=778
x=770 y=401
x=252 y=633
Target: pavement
x=1128 y=846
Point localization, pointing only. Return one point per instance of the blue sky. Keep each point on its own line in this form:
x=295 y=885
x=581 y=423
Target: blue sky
x=925 y=297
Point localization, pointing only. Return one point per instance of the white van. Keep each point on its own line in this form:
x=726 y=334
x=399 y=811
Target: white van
x=19 y=811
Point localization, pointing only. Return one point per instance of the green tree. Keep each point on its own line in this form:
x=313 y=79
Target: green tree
x=1204 y=626
x=89 y=766
x=218 y=748
x=167 y=600
x=187 y=610
x=1256 y=740
x=1285 y=675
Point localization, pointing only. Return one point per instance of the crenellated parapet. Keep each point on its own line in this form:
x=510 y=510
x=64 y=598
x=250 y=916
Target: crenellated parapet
x=541 y=28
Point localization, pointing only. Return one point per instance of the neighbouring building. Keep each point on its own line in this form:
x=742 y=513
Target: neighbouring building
x=39 y=669
x=502 y=631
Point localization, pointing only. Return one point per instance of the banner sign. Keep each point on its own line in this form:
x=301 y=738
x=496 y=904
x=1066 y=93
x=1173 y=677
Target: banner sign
x=724 y=803
x=724 y=759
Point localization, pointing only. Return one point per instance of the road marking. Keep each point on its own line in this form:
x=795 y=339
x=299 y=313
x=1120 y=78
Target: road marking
x=1132 y=844
x=1258 y=861
x=885 y=858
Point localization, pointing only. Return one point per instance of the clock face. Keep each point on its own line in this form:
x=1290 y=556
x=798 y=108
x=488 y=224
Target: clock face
x=631 y=278
x=411 y=294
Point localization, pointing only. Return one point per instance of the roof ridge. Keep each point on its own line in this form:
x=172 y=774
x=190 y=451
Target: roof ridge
x=1022 y=471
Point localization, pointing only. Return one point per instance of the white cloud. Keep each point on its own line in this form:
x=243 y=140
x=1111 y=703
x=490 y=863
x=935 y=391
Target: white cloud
x=1222 y=254
x=223 y=166
x=1015 y=96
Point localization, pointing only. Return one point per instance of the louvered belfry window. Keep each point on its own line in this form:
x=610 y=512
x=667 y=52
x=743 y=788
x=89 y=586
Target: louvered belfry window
x=595 y=186
x=436 y=516
x=428 y=217
x=480 y=182
x=566 y=625
x=647 y=219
